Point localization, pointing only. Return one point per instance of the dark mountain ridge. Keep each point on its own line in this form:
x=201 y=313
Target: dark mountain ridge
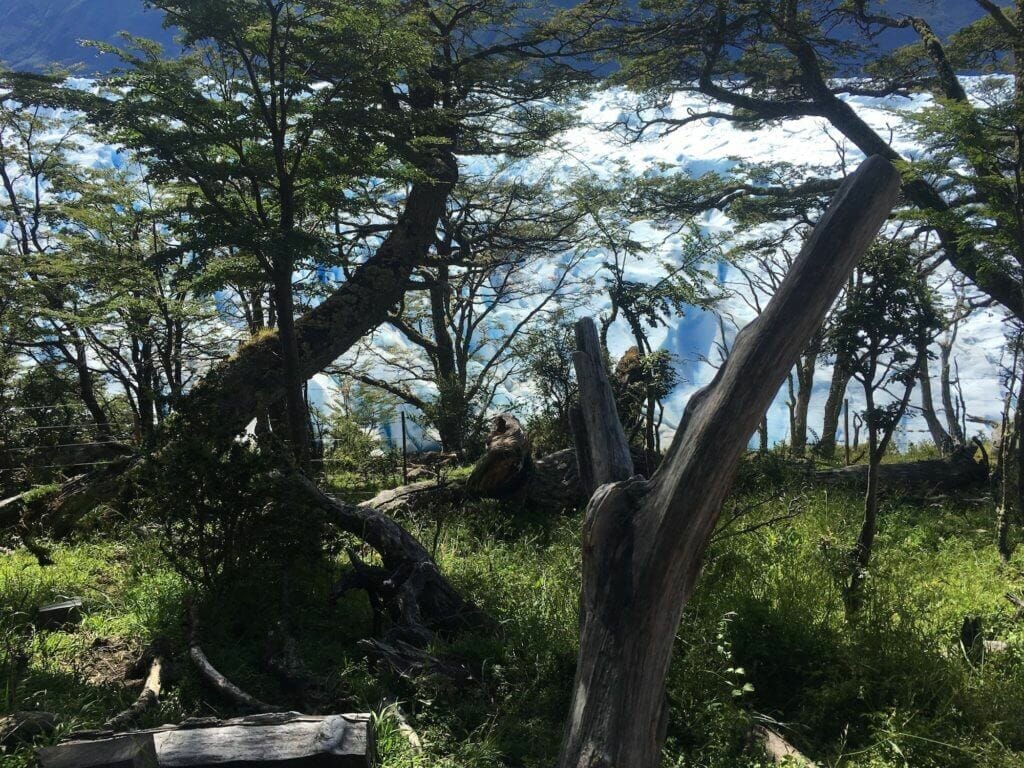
x=35 y=34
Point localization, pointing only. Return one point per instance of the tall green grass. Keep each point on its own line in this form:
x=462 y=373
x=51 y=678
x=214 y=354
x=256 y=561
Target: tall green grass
x=765 y=639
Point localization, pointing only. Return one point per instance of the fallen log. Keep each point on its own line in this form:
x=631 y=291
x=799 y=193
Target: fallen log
x=411 y=662
x=953 y=473
x=129 y=751
x=263 y=741
x=419 y=599
x=26 y=727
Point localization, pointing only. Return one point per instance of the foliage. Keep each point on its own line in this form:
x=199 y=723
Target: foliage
x=887 y=318
x=222 y=517
x=352 y=443
x=890 y=689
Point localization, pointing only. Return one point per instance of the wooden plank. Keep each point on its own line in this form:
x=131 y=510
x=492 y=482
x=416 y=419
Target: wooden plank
x=332 y=741
x=261 y=741
x=135 y=750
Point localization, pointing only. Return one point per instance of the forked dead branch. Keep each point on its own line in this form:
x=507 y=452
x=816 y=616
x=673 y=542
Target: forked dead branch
x=643 y=540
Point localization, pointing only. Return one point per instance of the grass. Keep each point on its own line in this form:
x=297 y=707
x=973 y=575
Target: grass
x=765 y=639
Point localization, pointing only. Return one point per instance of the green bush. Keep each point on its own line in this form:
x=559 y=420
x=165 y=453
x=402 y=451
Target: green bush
x=223 y=516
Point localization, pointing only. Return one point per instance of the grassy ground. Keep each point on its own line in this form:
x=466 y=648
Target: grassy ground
x=765 y=639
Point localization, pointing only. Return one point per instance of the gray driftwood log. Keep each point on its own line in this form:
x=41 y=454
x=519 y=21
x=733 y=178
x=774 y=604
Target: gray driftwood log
x=261 y=741
x=644 y=540
x=148 y=699
x=136 y=750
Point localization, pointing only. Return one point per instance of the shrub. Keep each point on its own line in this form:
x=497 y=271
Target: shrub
x=223 y=514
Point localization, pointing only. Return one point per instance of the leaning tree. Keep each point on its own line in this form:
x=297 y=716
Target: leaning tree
x=643 y=540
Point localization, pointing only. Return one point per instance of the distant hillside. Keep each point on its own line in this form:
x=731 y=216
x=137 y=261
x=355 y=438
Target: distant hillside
x=37 y=33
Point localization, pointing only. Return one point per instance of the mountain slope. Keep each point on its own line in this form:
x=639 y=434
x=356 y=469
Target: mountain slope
x=37 y=33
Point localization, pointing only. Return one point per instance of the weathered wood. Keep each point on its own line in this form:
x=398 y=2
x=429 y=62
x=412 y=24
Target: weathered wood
x=643 y=542
x=272 y=740
x=224 y=687
x=608 y=448
x=502 y=470
x=60 y=614
x=552 y=483
x=415 y=743
x=422 y=601
x=777 y=749
x=148 y=699
x=417 y=495
x=135 y=750
x=581 y=451
x=953 y=473
x=332 y=741
x=409 y=661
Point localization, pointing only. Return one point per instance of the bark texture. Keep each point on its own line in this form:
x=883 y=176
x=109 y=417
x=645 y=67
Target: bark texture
x=643 y=541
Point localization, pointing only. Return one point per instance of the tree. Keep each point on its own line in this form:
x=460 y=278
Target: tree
x=765 y=61
x=272 y=109
x=505 y=265
x=547 y=354
x=37 y=176
x=643 y=539
x=643 y=304
x=881 y=331
x=149 y=321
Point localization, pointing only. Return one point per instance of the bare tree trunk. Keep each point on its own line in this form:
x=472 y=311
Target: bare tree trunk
x=87 y=389
x=643 y=541
x=296 y=413
x=877 y=446
x=833 y=408
x=946 y=389
x=1014 y=444
x=939 y=435
x=866 y=538
x=802 y=403
x=1007 y=437
x=232 y=393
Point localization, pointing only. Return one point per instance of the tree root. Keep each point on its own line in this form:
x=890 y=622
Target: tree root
x=215 y=679
x=411 y=662
x=148 y=699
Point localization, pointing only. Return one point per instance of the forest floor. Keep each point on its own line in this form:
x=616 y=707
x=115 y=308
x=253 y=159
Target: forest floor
x=765 y=639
